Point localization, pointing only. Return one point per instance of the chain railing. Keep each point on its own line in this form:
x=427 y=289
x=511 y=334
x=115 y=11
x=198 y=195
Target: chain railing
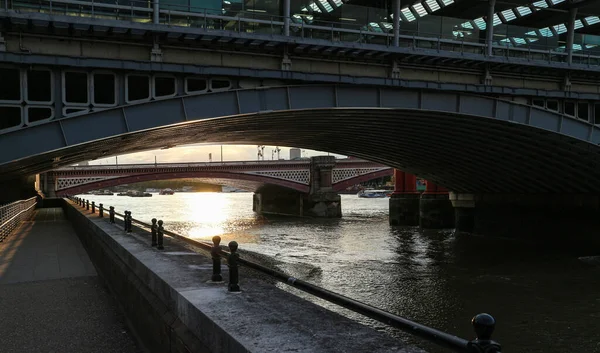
x=483 y=324
x=13 y=213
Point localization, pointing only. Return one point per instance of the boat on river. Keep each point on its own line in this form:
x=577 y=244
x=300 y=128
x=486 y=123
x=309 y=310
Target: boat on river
x=166 y=191
x=102 y=192
x=135 y=193
x=373 y=194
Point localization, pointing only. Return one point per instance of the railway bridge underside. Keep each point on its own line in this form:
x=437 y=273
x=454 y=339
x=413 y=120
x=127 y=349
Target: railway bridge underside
x=510 y=166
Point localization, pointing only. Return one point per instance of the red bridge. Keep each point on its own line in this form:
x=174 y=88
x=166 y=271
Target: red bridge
x=247 y=175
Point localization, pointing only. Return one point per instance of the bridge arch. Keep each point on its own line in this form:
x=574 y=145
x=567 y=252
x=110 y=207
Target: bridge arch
x=464 y=142
x=250 y=182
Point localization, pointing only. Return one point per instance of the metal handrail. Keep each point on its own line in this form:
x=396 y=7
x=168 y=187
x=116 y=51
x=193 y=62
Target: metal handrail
x=483 y=327
x=323 y=27
x=12 y=213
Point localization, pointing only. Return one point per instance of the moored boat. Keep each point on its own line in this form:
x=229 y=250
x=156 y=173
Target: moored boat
x=373 y=194
x=166 y=191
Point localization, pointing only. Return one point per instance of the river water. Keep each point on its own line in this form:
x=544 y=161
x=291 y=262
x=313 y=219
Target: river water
x=543 y=299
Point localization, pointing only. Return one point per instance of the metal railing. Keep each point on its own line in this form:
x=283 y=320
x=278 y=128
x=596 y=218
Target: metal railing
x=258 y=23
x=13 y=213
x=200 y=164
x=484 y=324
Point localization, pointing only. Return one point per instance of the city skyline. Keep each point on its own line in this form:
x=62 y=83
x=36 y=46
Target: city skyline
x=200 y=153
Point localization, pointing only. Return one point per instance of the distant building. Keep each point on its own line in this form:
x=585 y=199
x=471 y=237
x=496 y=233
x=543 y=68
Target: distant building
x=295 y=154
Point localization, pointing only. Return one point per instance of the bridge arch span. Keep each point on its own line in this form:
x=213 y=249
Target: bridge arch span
x=344 y=184
x=466 y=143
x=248 y=182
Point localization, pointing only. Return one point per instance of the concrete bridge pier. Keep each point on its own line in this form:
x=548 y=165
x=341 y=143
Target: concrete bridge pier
x=435 y=208
x=47 y=184
x=321 y=201
x=404 y=202
x=543 y=216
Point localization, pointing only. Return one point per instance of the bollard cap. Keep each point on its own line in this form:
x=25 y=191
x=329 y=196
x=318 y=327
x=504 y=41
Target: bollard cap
x=216 y=240
x=233 y=245
x=160 y=223
x=484 y=325
x=153 y=220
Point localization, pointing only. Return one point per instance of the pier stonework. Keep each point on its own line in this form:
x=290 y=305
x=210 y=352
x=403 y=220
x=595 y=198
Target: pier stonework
x=435 y=208
x=543 y=217
x=321 y=201
x=404 y=202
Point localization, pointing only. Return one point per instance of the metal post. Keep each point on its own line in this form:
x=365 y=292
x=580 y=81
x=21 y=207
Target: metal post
x=397 y=11
x=155 y=12
x=153 y=228
x=87 y=205
x=232 y=262
x=160 y=235
x=129 y=222
x=101 y=210
x=490 y=27
x=216 y=259
x=286 y=18
x=93 y=206
x=571 y=34
x=125 y=217
x=111 y=214
x=484 y=325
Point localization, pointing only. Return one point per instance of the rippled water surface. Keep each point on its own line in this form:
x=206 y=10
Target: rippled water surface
x=544 y=300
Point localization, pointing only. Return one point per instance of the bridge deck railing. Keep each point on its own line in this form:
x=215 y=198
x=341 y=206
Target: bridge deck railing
x=13 y=213
x=483 y=324
x=266 y=24
x=199 y=164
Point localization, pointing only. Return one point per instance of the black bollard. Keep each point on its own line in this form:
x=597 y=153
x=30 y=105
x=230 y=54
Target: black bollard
x=232 y=262
x=153 y=228
x=87 y=205
x=216 y=259
x=101 y=210
x=93 y=207
x=484 y=325
x=111 y=214
x=129 y=221
x=159 y=235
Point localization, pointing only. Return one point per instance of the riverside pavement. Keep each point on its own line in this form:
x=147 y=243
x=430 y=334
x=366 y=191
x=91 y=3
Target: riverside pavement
x=51 y=298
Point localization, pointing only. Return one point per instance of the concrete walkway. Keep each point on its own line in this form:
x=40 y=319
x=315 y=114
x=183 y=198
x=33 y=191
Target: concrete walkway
x=51 y=299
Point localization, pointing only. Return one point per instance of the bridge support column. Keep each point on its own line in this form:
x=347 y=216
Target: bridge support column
x=404 y=202
x=489 y=27
x=397 y=10
x=571 y=34
x=286 y=17
x=321 y=201
x=155 y=12
x=435 y=208
x=48 y=184
x=570 y=219
x=464 y=211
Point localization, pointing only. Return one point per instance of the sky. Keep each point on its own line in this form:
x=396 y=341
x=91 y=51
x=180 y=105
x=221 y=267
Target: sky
x=200 y=153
